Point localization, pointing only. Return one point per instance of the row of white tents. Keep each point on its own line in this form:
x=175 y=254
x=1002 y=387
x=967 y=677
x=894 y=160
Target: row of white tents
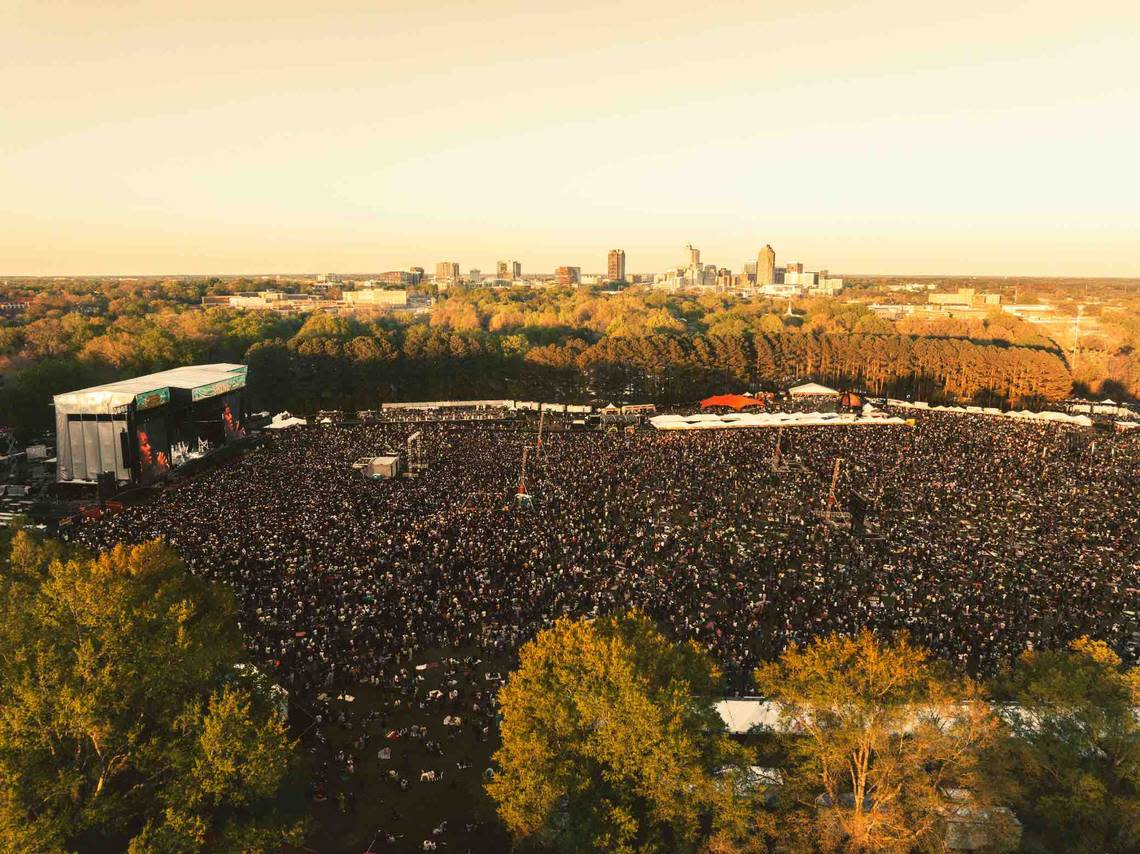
x=1023 y=414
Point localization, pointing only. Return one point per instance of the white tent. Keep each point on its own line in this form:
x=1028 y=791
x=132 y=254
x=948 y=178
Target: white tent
x=284 y=420
x=810 y=389
x=740 y=716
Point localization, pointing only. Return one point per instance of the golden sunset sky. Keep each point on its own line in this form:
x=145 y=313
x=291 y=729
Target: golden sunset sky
x=907 y=137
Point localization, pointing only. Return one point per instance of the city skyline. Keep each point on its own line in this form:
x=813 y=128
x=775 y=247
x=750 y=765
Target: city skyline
x=885 y=138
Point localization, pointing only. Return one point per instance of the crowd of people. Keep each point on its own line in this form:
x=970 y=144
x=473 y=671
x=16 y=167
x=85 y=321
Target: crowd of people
x=982 y=538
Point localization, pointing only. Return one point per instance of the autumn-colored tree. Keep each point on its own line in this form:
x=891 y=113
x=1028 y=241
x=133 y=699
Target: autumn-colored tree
x=611 y=742
x=1077 y=746
x=123 y=722
x=883 y=748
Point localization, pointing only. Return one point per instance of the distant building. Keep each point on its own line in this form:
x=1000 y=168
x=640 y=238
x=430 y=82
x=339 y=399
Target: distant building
x=475 y=275
x=509 y=271
x=694 y=276
x=568 y=275
x=398 y=277
x=766 y=266
x=615 y=266
x=376 y=297
x=964 y=298
x=279 y=301
x=417 y=275
x=447 y=271
x=779 y=289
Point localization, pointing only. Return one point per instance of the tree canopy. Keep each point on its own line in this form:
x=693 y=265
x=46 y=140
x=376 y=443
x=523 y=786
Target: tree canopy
x=611 y=742
x=1077 y=747
x=885 y=748
x=123 y=722
x=636 y=345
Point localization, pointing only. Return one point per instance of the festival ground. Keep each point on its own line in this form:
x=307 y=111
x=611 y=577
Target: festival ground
x=983 y=538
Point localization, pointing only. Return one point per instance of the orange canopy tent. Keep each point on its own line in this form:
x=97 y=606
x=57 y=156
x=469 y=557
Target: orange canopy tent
x=731 y=401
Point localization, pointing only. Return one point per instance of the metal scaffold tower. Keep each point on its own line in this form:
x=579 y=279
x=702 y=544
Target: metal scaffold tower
x=830 y=515
x=417 y=460
x=777 y=463
x=522 y=495
x=538 y=456
x=780 y=463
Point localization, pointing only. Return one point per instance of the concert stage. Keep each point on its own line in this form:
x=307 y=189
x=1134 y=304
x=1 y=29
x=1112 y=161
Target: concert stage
x=138 y=430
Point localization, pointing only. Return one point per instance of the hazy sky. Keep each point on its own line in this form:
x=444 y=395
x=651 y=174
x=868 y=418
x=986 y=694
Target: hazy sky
x=287 y=136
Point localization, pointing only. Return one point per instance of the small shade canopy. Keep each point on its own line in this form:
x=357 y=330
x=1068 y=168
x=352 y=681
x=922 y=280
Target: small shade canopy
x=731 y=401
x=852 y=400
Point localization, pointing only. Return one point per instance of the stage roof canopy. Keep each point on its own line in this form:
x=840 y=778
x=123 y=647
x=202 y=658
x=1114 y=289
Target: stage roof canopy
x=731 y=401
x=202 y=381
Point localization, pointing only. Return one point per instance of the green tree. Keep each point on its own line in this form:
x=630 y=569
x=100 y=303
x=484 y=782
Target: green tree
x=120 y=716
x=611 y=742
x=882 y=747
x=1077 y=745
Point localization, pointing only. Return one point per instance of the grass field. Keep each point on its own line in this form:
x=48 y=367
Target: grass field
x=356 y=811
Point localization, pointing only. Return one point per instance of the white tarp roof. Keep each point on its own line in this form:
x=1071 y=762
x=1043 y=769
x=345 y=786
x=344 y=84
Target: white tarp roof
x=733 y=420
x=104 y=398
x=1020 y=414
x=811 y=388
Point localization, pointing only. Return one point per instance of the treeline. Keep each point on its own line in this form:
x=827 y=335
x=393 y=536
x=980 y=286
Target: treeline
x=326 y=371
x=610 y=742
x=572 y=345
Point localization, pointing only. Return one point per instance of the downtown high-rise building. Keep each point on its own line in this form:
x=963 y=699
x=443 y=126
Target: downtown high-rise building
x=615 y=267
x=447 y=271
x=568 y=275
x=509 y=271
x=766 y=266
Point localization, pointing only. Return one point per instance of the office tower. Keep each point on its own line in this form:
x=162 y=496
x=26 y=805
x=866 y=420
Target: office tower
x=568 y=275
x=397 y=277
x=447 y=271
x=616 y=265
x=417 y=274
x=508 y=271
x=766 y=266
x=694 y=257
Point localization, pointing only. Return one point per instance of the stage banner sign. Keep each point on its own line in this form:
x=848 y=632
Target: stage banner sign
x=151 y=399
x=220 y=387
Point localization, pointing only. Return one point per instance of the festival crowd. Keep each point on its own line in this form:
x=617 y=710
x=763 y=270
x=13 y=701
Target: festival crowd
x=982 y=538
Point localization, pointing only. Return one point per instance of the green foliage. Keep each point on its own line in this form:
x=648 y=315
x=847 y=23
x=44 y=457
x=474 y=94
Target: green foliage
x=610 y=742
x=117 y=722
x=882 y=739
x=634 y=344
x=1077 y=748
